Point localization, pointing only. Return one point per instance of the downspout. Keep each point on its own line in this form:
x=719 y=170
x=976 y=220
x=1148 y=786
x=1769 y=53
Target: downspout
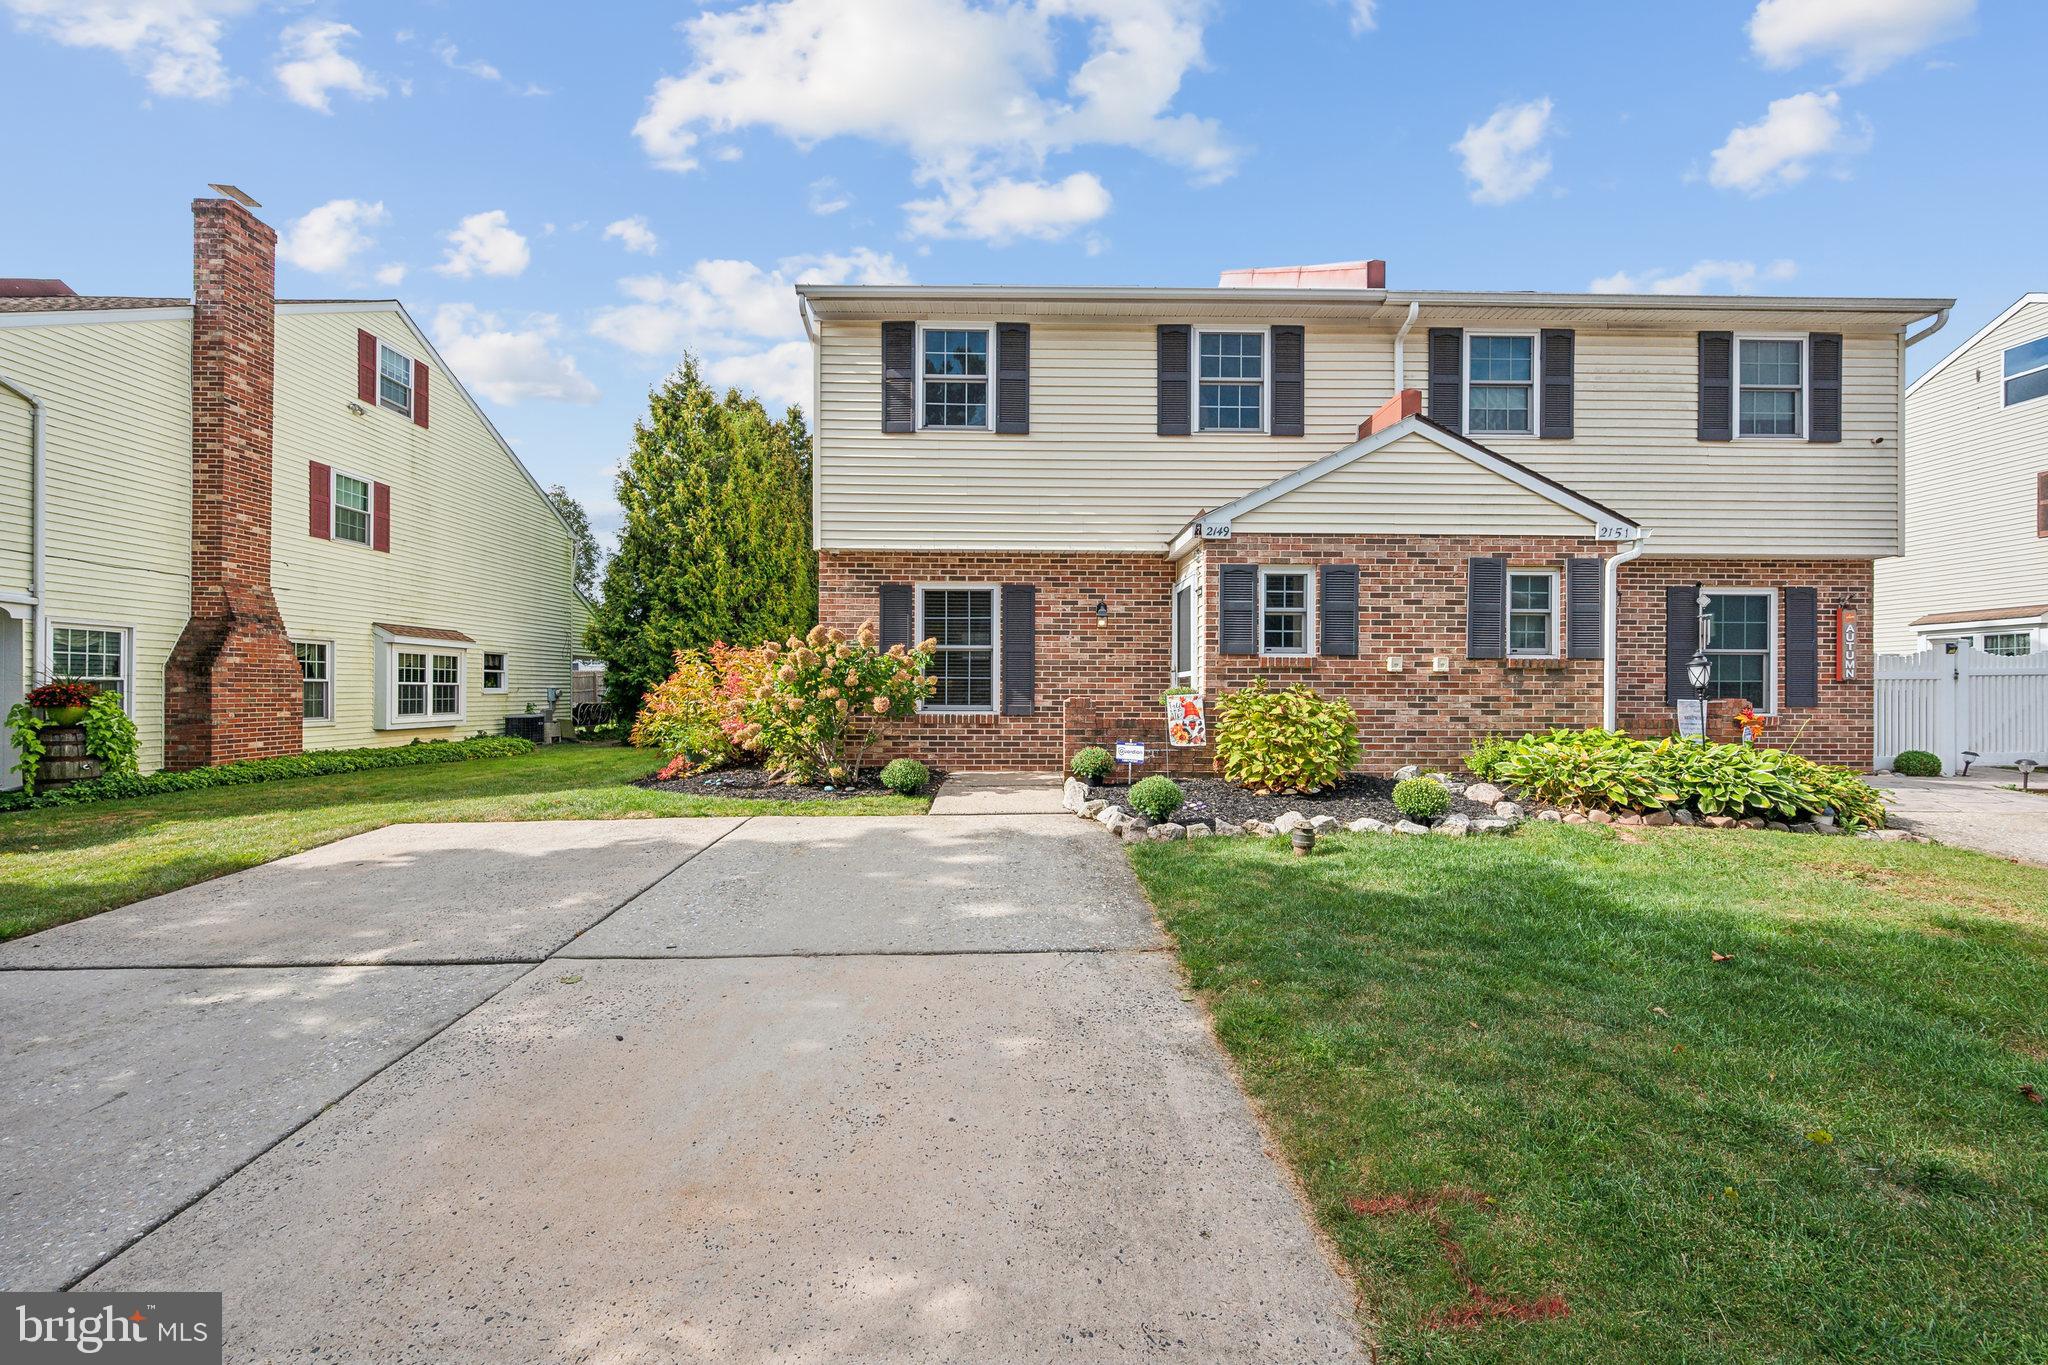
x=809 y=320
x=1400 y=346
x=34 y=643
x=1610 y=616
x=1940 y=321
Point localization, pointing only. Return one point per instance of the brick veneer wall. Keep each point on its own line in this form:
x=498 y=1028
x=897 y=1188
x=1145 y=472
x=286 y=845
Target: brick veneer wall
x=232 y=682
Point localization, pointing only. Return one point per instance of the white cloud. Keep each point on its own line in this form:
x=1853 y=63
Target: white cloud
x=633 y=234
x=1363 y=20
x=327 y=238
x=311 y=65
x=452 y=58
x=1002 y=210
x=1703 y=277
x=779 y=376
x=1779 y=150
x=827 y=197
x=1862 y=37
x=175 y=43
x=392 y=274
x=485 y=243
x=1504 y=157
x=509 y=365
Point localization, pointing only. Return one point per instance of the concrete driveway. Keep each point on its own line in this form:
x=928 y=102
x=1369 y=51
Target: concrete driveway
x=798 y=1089
x=1973 y=812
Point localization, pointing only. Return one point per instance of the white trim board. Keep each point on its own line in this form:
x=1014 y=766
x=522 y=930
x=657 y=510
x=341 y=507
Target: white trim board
x=1986 y=330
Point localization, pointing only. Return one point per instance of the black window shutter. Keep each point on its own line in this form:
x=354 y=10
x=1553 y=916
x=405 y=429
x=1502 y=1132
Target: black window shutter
x=1717 y=386
x=1560 y=357
x=1447 y=381
x=1289 y=388
x=1237 y=620
x=1337 y=621
x=1013 y=378
x=899 y=376
x=1681 y=638
x=1175 y=404
x=1824 y=383
x=1802 y=647
x=895 y=611
x=1020 y=649
x=1486 y=605
x=1583 y=589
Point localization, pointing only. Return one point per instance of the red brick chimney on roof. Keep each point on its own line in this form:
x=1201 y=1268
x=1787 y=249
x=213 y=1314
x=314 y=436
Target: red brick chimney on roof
x=232 y=683
x=1333 y=275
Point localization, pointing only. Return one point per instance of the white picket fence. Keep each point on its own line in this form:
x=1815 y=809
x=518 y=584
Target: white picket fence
x=1988 y=704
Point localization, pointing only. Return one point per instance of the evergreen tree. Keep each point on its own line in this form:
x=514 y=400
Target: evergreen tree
x=588 y=557
x=716 y=544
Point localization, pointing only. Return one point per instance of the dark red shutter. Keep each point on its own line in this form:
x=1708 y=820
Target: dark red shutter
x=366 y=368
x=380 y=516
x=319 y=500
x=419 y=393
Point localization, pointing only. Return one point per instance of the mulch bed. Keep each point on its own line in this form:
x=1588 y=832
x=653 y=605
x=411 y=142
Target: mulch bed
x=756 y=784
x=1210 y=799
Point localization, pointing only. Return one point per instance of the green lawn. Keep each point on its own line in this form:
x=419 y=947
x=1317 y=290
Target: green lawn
x=1816 y=1149
x=64 y=863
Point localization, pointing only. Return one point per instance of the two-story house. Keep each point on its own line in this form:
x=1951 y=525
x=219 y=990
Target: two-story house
x=1975 y=568
x=1466 y=513
x=269 y=525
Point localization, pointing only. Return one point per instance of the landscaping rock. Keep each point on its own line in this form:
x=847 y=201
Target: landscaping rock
x=1403 y=773
x=1290 y=822
x=1409 y=827
x=1197 y=832
x=1825 y=824
x=1658 y=817
x=1226 y=829
x=1110 y=816
x=1683 y=816
x=1506 y=810
x=1577 y=818
x=1494 y=824
x=1368 y=825
x=1092 y=808
x=1447 y=782
x=1600 y=817
x=1074 y=794
x=1485 y=793
x=1322 y=823
x=1260 y=828
x=1628 y=817
x=1805 y=827
x=1552 y=817
x=1885 y=836
x=1453 y=826
x=1165 y=833
x=1719 y=822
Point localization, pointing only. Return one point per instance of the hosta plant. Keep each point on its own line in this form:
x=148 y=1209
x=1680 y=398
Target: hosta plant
x=1291 y=742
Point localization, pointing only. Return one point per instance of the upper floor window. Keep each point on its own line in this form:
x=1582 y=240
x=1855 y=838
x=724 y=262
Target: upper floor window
x=351 y=508
x=394 y=379
x=954 y=372
x=1286 y=609
x=1532 y=614
x=2026 y=372
x=1500 y=386
x=1231 y=394
x=1771 y=374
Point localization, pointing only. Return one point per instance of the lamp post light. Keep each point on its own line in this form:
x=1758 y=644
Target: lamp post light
x=2026 y=767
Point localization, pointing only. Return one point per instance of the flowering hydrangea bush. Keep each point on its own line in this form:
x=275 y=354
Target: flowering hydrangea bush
x=815 y=711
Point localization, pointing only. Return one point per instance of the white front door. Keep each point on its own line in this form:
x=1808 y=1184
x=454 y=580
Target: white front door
x=11 y=673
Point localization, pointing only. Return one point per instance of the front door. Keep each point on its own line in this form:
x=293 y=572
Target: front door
x=10 y=693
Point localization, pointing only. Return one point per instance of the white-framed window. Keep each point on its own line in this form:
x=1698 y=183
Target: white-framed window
x=962 y=622
x=495 y=671
x=101 y=655
x=1287 y=611
x=1184 y=629
x=1770 y=386
x=1742 y=645
x=1230 y=381
x=1532 y=613
x=316 y=680
x=394 y=379
x=1500 y=384
x=350 y=501
x=2026 y=371
x=423 y=684
x=2011 y=643
x=954 y=375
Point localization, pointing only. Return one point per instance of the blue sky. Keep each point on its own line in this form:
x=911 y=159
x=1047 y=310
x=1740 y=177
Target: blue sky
x=567 y=198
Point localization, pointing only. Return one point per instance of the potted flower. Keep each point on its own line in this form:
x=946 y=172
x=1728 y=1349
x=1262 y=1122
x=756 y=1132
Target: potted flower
x=63 y=702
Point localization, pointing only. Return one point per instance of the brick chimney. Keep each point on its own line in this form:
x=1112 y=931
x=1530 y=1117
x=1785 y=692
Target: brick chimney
x=232 y=683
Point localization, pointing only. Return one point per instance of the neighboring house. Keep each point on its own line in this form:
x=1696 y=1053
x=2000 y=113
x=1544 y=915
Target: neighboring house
x=1418 y=501
x=1975 y=570
x=270 y=525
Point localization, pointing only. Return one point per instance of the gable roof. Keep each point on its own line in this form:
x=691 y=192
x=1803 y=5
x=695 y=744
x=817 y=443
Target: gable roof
x=1986 y=330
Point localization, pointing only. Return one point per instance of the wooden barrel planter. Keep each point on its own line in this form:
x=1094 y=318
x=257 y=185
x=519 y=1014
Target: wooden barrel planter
x=65 y=760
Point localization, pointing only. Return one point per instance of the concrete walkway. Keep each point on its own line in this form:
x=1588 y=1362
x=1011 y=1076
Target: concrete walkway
x=1973 y=812
x=789 y=1089
x=998 y=794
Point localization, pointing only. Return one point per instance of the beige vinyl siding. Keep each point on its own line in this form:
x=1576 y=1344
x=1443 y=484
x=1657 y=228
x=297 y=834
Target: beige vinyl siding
x=1093 y=473
x=1417 y=487
x=1971 y=534
x=474 y=546
x=117 y=490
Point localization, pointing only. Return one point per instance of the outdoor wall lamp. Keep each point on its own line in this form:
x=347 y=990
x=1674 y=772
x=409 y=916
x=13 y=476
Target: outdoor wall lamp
x=1101 y=611
x=1699 y=673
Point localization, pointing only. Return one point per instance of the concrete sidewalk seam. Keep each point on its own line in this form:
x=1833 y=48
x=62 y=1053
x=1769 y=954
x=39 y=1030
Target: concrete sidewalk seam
x=850 y=952
x=738 y=825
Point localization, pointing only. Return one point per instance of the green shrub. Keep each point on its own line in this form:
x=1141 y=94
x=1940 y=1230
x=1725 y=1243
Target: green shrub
x=1292 y=742
x=1156 y=797
x=905 y=776
x=1483 y=762
x=1092 y=765
x=321 y=764
x=1917 y=763
x=821 y=696
x=1421 y=799
x=110 y=736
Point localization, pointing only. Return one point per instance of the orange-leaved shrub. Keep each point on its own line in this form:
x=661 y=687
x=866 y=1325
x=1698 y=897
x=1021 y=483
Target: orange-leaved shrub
x=696 y=716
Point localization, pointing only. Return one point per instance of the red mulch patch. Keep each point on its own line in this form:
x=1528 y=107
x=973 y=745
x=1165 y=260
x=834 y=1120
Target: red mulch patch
x=1479 y=1306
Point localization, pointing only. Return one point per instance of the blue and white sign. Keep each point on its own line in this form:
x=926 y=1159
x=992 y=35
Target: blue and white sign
x=1129 y=751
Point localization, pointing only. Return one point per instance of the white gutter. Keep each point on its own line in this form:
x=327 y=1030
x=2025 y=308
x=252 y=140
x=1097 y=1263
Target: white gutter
x=1400 y=347
x=34 y=642
x=1610 y=614
x=1929 y=330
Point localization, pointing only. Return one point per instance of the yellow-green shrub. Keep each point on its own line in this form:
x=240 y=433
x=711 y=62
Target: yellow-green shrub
x=1292 y=742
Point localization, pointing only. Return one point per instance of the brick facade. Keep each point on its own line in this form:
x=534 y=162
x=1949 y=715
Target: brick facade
x=232 y=682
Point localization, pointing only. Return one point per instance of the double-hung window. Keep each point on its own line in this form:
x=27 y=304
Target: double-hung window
x=1532 y=614
x=2026 y=371
x=954 y=374
x=412 y=684
x=91 y=654
x=316 y=679
x=1500 y=385
x=1742 y=646
x=494 y=671
x=1231 y=392
x=1286 y=610
x=962 y=624
x=351 y=508
x=394 y=379
x=2011 y=643
x=1771 y=374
